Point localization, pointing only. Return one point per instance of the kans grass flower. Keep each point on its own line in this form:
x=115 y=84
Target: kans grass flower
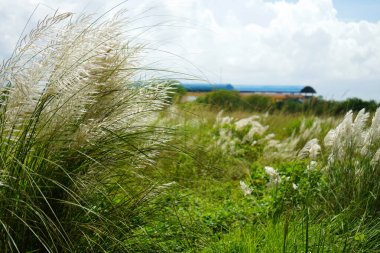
x=311 y=150
x=245 y=188
x=274 y=177
x=312 y=165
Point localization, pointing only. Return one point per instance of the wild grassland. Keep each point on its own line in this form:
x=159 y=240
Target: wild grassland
x=93 y=161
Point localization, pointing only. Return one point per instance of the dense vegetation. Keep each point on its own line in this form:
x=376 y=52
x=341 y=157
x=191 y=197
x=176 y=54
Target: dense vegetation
x=230 y=100
x=94 y=161
x=283 y=183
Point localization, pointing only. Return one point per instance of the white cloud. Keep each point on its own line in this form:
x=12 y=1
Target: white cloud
x=246 y=41
x=303 y=42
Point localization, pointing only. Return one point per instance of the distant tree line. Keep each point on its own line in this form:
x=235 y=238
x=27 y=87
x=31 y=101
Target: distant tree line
x=231 y=101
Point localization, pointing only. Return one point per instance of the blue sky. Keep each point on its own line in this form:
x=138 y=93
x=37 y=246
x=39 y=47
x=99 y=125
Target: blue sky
x=354 y=10
x=333 y=45
x=358 y=9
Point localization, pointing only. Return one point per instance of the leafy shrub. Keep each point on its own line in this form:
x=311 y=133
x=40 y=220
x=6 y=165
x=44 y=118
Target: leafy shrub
x=257 y=103
x=232 y=101
x=290 y=188
x=222 y=99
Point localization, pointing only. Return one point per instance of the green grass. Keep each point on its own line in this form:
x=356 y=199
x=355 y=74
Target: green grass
x=284 y=236
x=231 y=222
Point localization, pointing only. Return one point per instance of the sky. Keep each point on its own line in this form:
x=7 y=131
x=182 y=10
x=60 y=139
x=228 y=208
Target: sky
x=332 y=45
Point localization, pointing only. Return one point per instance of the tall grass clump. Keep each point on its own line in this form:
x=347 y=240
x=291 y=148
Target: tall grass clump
x=353 y=162
x=73 y=120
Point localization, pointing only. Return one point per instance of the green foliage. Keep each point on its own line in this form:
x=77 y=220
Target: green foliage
x=292 y=214
x=299 y=188
x=232 y=101
x=257 y=103
x=289 y=235
x=222 y=99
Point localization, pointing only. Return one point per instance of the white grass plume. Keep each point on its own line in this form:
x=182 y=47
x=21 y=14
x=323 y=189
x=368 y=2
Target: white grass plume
x=274 y=176
x=84 y=73
x=311 y=150
x=232 y=132
x=352 y=137
x=351 y=161
x=70 y=112
x=245 y=188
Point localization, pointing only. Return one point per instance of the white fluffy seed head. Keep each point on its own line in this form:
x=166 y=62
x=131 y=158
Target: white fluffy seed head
x=245 y=188
x=82 y=73
x=311 y=150
x=376 y=158
x=274 y=177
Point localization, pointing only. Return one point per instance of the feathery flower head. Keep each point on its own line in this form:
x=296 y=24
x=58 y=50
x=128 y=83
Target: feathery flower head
x=274 y=177
x=246 y=122
x=376 y=158
x=270 y=171
x=245 y=188
x=312 y=165
x=311 y=150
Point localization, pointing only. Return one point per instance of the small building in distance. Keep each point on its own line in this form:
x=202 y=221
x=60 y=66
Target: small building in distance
x=277 y=92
